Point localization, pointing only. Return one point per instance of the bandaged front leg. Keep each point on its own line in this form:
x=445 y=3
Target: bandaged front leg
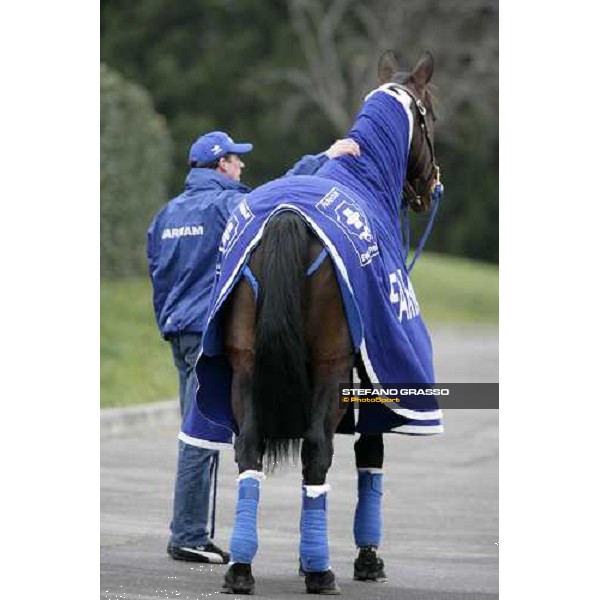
x=368 y=524
x=244 y=537
x=314 y=545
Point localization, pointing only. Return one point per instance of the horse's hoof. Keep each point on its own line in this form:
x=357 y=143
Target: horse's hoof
x=368 y=566
x=322 y=582
x=239 y=579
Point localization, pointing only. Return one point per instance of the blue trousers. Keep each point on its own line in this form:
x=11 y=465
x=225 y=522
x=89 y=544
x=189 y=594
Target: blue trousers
x=189 y=526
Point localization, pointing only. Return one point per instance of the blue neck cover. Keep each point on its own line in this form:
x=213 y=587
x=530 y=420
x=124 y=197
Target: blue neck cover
x=367 y=518
x=314 y=546
x=244 y=537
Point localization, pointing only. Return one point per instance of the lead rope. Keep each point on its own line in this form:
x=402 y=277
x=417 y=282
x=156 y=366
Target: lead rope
x=405 y=230
x=436 y=198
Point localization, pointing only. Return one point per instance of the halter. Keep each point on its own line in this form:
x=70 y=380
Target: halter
x=412 y=198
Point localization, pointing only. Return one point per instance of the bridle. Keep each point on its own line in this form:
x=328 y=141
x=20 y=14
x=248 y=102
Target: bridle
x=419 y=111
x=410 y=197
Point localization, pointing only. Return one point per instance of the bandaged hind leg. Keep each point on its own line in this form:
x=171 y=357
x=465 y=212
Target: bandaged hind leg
x=317 y=456
x=314 y=544
x=368 y=524
x=244 y=537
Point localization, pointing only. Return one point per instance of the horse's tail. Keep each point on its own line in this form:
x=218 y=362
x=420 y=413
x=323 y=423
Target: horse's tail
x=281 y=384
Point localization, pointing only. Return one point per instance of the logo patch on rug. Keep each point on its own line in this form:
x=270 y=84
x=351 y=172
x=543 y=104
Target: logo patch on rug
x=351 y=219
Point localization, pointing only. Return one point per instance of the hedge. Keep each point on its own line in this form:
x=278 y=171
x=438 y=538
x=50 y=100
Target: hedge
x=136 y=159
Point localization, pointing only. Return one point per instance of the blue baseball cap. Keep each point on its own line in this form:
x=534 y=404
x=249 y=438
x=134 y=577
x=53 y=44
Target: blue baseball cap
x=212 y=146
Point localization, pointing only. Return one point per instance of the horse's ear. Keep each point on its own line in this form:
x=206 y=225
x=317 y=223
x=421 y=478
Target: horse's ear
x=423 y=71
x=388 y=65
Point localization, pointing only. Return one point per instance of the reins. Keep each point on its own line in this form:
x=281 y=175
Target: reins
x=436 y=198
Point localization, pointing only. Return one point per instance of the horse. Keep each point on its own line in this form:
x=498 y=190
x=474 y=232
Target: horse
x=289 y=344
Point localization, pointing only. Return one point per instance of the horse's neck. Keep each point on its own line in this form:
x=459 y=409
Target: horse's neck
x=385 y=176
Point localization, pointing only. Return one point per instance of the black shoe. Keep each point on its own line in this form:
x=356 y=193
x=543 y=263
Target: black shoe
x=368 y=566
x=322 y=582
x=238 y=579
x=207 y=553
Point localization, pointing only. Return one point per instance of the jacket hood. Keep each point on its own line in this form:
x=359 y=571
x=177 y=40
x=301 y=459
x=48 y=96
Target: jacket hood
x=208 y=179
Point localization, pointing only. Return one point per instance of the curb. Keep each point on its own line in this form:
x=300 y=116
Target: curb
x=115 y=422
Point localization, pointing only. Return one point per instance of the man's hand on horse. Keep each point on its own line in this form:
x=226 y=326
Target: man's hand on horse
x=342 y=147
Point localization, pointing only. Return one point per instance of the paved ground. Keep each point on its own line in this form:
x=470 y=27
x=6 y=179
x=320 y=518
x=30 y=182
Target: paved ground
x=440 y=508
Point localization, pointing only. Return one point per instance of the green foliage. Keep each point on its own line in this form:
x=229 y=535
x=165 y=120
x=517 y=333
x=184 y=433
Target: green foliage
x=467 y=221
x=136 y=364
x=456 y=290
x=205 y=63
x=135 y=154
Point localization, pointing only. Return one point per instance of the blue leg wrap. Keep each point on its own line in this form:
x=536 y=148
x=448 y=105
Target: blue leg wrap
x=244 y=537
x=367 y=518
x=314 y=546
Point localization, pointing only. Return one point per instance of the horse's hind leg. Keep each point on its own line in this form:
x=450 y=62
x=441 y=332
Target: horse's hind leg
x=240 y=318
x=317 y=455
x=368 y=525
x=239 y=343
x=331 y=360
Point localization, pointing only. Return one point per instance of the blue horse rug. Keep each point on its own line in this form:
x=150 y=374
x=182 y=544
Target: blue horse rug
x=353 y=206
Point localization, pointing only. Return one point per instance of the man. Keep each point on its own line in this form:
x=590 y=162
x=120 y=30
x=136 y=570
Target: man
x=183 y=244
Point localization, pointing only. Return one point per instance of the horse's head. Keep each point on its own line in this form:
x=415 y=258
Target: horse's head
x=422 y=170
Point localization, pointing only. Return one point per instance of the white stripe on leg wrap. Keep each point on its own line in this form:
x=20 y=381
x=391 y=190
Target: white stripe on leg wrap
x=314 y=491
x=258 y=475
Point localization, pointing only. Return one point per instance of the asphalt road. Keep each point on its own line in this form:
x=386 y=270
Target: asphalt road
x=440 y=508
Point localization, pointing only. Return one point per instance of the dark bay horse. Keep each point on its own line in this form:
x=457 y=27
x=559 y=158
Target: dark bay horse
x=289 y=345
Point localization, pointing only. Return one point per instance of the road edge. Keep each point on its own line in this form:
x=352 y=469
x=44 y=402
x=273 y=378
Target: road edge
x=115 y=422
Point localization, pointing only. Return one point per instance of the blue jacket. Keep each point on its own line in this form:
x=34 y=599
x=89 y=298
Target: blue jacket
x=183 y=245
